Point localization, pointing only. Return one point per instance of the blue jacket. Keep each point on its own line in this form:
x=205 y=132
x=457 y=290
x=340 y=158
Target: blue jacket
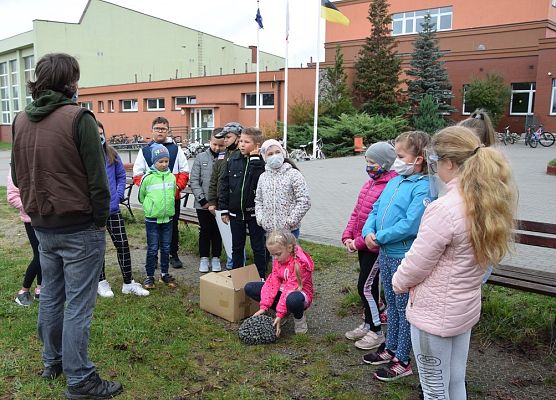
x=116 y=183
x=397 y=213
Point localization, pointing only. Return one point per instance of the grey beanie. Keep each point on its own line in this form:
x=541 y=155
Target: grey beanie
x=382 y=153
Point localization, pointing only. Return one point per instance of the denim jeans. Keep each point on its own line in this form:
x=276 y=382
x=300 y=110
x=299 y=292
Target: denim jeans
x=257 y=238
x=158 y=234
x=71 y=264
x=295 y=302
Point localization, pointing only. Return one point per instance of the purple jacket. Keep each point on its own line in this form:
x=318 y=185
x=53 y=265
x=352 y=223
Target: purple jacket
x=116 y=183
x=369 y=193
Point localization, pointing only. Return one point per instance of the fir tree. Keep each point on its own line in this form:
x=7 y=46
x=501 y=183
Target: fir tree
x=427 y=118
x=429 y=72
x=334 y=92
x=378 y=68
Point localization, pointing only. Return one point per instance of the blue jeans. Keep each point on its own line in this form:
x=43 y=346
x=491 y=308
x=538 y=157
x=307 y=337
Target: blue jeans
x=257 y=238
x=71 y=264
x=158 y=233
x=295 y=232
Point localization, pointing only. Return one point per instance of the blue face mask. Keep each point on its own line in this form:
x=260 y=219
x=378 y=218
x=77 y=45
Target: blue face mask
x=102 y=139
x=75 y=96
x=374 y=171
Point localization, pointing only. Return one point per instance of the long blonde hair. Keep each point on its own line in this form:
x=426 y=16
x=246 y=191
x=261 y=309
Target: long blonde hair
x=286 y=239
x=480 y=123
x=488 y=190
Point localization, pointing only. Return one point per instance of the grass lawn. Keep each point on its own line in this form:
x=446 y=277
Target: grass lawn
x=5 y=146
x=164 y=347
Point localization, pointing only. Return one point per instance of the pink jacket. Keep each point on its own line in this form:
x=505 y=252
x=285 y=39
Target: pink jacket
x=282 y=278
x=369 y=193
x=15 y=200
x=440 y=271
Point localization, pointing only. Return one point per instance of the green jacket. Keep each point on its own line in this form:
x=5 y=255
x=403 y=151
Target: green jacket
x=218 y=169
x=156 y=193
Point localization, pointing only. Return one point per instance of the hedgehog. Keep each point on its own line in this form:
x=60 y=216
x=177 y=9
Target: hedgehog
x=257 y=329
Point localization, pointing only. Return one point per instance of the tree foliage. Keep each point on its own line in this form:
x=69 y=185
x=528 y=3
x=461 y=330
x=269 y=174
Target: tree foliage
x=335 y=96
x=427 y=118
x=491 y=93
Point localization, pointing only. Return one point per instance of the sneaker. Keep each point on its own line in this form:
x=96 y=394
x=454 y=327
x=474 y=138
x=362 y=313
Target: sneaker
x=24 y=299
x=358 y=332
x=394 y=370
x=383 y=317
x=204 y=265
x=381 y=356
x=300 y=325
x=37 y=293
x=169 y=280
x=134 y=288
x=52 y=372
x=215 y=264
x=148 y=283
x=175 y=261
x=104 y=289
x=370 y=341
x=94 y=388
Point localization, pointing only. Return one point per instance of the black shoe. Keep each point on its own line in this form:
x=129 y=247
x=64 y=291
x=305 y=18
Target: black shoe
x=52 y=372
x=175 y=261
x=94 y=388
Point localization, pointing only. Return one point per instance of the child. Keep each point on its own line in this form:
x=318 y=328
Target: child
x=282 y=195
x=236 y=199
x=479 y=122
x=379 y=158
x=156 y=193
x=23 y=297
x=200 y=177
x=393 y=225
x=461 y=234
x=115 y=223
x=289 y=287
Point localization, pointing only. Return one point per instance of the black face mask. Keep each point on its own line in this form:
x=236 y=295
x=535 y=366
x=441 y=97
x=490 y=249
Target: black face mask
x=214 y=154
x=233 y=146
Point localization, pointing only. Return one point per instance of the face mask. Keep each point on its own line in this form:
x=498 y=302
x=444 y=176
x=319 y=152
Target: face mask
x=75 y=96
x=275 y=161
x=233 y=146
x=374 y=172
x=102 y=139
x=402 y=168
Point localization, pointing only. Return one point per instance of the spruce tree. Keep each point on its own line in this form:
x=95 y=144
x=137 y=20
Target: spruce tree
x=427 y=118
x=378 y=68
x=334 y=91
x=430 y=76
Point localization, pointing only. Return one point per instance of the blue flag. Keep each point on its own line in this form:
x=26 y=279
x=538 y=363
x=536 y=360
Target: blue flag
x=259 y=19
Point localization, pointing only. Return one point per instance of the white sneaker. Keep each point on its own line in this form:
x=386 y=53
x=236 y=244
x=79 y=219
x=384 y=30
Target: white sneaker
x=300 y=325
x=370 y=341
x=204 y=265
x=134 y=288
x=358 y=332
x=104 y=289
x=215 y=264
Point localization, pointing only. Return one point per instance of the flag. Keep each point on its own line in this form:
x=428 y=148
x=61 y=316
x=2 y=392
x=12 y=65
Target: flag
x=329 y=12
x=259 y=19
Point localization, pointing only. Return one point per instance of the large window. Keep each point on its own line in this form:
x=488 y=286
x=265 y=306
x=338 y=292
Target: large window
x=86 y=104
x=266 y=100
x=407 y=23
x=129 y=105
x=14 y=80
x=184 y=100
x=155 y=104
x=523 y=98
x=29 y=63
x=465 y=109
x=553 y=104
x=5 y=94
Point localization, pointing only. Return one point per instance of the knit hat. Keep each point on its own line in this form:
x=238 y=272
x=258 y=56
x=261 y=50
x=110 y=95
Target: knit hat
x=382 y=153
x=272 y=142
x=158 y=151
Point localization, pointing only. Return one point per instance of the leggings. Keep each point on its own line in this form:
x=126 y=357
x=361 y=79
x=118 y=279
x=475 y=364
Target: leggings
x=367 y=287
x=295 y=302
x=34 y=268
x=441 y=362
x=116 y=229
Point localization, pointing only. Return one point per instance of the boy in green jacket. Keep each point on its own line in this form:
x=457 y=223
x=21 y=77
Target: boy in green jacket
x=156 y=194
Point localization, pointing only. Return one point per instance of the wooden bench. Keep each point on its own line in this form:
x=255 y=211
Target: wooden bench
x=126 y=201
x=188 y=213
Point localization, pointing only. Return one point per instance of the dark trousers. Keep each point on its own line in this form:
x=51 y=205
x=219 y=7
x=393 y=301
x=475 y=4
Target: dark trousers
x=34 y=268
x=366 y=261
x=257 y=238
x=175 y=245
x=209 y=235
x=116 y=228
x=159 y=236
x=295 y=302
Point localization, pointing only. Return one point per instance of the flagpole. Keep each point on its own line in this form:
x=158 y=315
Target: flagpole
x=285 y=138
x=317 y=76
x=257 y=106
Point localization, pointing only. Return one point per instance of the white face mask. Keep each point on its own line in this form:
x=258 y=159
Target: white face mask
x=402 y=168
x=275 y=161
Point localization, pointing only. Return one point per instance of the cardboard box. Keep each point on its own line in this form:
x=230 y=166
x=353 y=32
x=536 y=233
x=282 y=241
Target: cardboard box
x=222 y=294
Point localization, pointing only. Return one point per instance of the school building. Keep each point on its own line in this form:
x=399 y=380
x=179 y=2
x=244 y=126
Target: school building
x=515 y=39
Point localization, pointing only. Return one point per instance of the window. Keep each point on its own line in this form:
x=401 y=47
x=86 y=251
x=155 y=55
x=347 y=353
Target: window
x=553 y=105
x=111 y=105
x=155 y=104
x=5 y=94
x=523 y=98
x=129 y=105
x=14 y=80
x=29 y=63
x=465 y=110
x=86 y=104
x=266 y=100
x=184 y=100
x=101 y=106
x=407 y=23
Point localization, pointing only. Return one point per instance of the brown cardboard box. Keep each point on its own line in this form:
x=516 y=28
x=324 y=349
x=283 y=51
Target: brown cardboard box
x=222 y=293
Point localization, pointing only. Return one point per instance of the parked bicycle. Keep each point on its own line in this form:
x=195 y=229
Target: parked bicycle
x=301 y=154
x=533 y=138
x=507 y=137
x=119 y=139
x=193 y=149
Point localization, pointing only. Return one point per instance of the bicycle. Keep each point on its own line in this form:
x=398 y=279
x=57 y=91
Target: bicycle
x=546 y=139
x=301 y=153
x=506 y=136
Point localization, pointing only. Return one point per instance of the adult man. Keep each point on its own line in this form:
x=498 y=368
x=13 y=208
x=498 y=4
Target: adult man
x=58 y=165
x=179 y=167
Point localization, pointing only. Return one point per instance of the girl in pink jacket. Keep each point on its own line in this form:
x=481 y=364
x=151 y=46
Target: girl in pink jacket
x=379 y=158
x=289 y=287
x=461 y=233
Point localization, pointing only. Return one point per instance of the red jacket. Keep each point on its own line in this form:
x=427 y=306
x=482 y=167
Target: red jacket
x=369 y=193
x=283 y=278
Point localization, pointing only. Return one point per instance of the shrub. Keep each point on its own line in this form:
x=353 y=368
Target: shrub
x=427 y=118
x=491 y=93
x=552 y=162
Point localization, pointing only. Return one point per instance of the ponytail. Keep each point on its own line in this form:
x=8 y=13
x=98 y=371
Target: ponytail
x=480 y=123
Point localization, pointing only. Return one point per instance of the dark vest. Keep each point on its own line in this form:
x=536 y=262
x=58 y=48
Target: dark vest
x=172 y=149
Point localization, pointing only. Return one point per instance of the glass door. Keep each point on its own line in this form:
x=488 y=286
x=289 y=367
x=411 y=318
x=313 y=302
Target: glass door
x=202 y=124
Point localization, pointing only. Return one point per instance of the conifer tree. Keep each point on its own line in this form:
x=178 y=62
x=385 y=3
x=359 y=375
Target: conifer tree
x=427 y=117
x=378 y=68
x=334 y=91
